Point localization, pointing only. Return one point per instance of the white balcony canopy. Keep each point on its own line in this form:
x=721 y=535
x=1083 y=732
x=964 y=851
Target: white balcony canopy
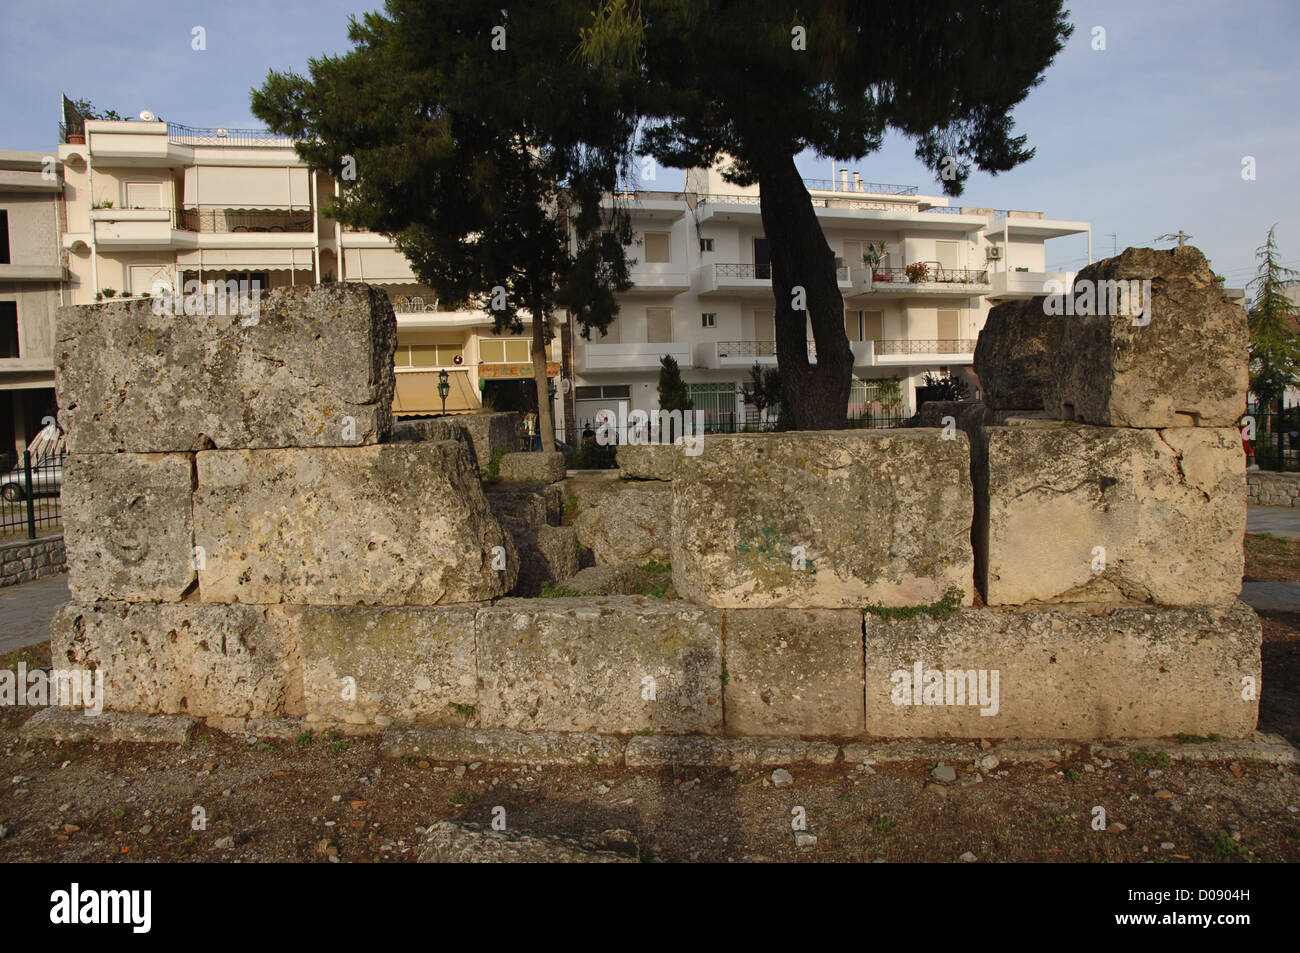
x=246 y=259
x=378 y=266
x=246 y=188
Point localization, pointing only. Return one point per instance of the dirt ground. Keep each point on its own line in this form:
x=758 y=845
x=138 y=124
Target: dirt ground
x=329 y=798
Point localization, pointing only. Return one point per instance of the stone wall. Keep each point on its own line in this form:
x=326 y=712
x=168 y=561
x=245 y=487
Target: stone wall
x=820 y=584
x=26 y=560
x=1267 y=488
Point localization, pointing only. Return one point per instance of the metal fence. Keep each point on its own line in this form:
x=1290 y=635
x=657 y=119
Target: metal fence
x=29 y=496
x=1277 y=438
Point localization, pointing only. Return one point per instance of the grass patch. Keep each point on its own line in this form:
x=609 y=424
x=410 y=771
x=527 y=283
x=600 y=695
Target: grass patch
x=656 y=568
x=552 y=591
x=458 y=799
x=492 y=472
x=571 y=507
x=1224 y=847
x=305 y=738
x=883 y=825
x=1272 y=558
x=35 y=656
x=946 y=606
x=465 y=711
x=1147 y=759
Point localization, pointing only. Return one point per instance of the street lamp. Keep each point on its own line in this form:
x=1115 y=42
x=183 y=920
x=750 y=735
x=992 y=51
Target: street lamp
x=443 y=389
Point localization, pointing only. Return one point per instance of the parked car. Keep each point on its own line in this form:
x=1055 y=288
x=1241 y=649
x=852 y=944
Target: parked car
x=47 y=450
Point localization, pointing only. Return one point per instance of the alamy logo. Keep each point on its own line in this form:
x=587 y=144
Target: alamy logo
x=1130 y=299
x=134 y=907
x=641 y=427
x=243 y=298
x=923 y=686
x=58 y=687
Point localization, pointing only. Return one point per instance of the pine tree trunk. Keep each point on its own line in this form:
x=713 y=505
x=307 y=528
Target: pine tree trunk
x=817 y=395
x=545 y=423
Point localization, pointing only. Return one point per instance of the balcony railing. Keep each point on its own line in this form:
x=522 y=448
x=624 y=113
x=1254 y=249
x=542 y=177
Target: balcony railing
x=724 y=269
x=875 y=188
x=755 y=349
x=934 y=272
x=200 y=136
x=211 y=218
x=931 y=346
x=719 y=198
x=943 y=209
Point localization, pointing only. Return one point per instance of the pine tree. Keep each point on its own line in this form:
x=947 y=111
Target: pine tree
x=1274 y=343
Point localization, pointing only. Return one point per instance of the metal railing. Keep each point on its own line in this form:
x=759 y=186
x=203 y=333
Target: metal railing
x=725 y=269
x=29 y=496
x=943 y=209
x=1276 y=446
x=219 y=219
x=934 y=273
x=874 y=188
x=927 y=346
x=213 y=136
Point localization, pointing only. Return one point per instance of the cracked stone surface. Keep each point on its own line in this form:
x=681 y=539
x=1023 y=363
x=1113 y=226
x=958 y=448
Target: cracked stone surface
x=833 y=519
x=1101 y=514
x=1186 y=367
x=314 y=369
x=1013 y=355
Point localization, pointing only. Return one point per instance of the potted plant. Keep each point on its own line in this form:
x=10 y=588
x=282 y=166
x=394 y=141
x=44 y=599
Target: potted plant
x=873 y=256
x=916 y=271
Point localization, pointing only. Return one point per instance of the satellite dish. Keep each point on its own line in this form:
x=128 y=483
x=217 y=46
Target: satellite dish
x=221 y=133
x=146 y=116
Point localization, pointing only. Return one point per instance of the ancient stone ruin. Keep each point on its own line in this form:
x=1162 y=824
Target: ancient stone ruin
x=253 y=541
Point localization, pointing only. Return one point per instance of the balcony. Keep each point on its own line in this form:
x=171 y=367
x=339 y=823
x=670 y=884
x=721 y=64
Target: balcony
x=1008 y=285
x=632 y=357
x=749 y=353
x=937 y=281
x=658 y=278
x=127 y=228
x=748 y=280
x=214 y=219
x=922 y=351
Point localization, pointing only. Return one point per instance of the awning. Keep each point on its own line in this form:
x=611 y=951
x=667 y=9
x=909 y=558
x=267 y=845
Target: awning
x=378 y=266
x=239 y=187
x=246 y=259
x=417 y=393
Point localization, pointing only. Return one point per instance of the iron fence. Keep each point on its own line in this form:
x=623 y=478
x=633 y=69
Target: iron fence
x=29 y=496
x=1277 y=438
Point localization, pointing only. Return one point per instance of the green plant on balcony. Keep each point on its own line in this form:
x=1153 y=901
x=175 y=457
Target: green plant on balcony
x=916 y=271
x=873 y=256
x=103 y=204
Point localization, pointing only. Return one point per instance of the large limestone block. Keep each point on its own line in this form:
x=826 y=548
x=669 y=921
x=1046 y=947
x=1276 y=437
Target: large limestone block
x=393 y=524
x=794 y=672
x=488 y=434
x=824 y=519
x=314 y=369
x=1097 y=514
x=521 y=507
x=533 y=467
x=626 y=522
x=1013 y=356
x=129 y=526
x=546 y=554
x=1078 y=672
x=183 y=658
x=408 y=665
x=648 y=461
x=610 y=664
x=1185 y=367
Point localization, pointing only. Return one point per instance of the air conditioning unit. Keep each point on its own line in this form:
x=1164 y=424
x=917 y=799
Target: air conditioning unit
x=994 y=252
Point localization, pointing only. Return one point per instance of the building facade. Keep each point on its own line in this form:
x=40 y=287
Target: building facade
x=152 y=205
x=32 y=286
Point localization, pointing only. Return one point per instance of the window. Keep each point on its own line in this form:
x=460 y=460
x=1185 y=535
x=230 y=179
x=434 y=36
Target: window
x=764 y=326
x=597 y=392
x=658 y=325
x=947 y=254
x=658 y=248
x=431 y=355
x=144 y=195
x=513 y=350
x=948 y=323
x=4 y=237
x=9 y=329
x=872 y=326
x=709 y=319
x=706 y=244
x=853 y=325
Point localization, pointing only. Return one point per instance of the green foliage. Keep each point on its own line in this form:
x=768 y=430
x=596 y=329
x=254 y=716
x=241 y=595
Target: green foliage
x=946 y=606
x=673 y=392
x=656 y=568
x=917 y=271
x=465 y=711
x=492 y=472
x=764 y=388
x=1144 y=758
x=883 y=825
x=1273 y=320
x=1222 y=844
x=571 y=508
x=950 y=388
x=552 y=591
x=305 y=738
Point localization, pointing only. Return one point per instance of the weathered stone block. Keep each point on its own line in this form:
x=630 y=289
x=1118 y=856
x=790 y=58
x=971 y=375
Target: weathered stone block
x=615 y=579
x=546 y=554
x=1065 y=672
x=648 y=461
x=607 y=665
x=1013 y=356
x=454 y=841
x=183 y=658
x=1186 y=366
x=314 y=370
x=129 y=526
x=627 y=522
x=412 y=665
x=393 y=524
x=824 y=520
x=521 y=507
x=1095 y=514
x=794 y=671
x=487 y=434
x=533 y=467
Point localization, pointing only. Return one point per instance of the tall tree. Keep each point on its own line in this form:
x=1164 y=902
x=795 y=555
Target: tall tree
x=1274 y=322
x=764 y=80
x=464 y=132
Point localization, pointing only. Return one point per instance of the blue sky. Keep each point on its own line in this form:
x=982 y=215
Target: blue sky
x=1141 y=139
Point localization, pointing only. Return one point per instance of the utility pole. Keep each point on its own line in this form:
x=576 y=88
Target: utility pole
x=1114 y=244
x=1181 y=238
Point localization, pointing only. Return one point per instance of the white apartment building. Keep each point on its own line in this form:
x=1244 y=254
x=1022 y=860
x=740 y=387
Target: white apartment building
x=151 y=205
x=32 y=276
x=703 y=292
